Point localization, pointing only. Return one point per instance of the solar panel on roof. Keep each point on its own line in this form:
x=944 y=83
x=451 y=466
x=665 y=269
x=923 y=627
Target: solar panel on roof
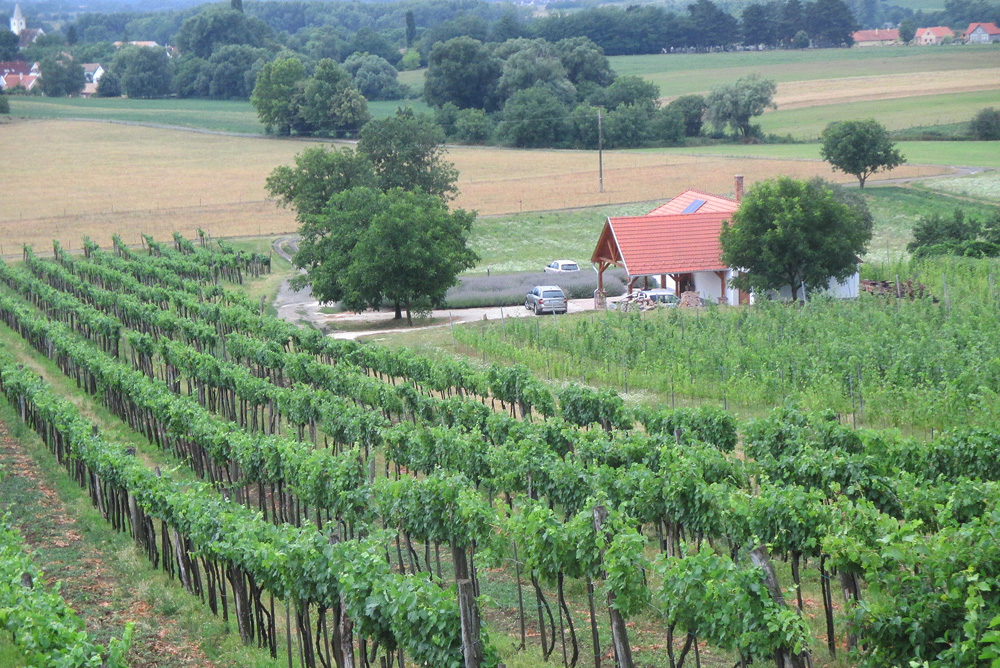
x=693 y=206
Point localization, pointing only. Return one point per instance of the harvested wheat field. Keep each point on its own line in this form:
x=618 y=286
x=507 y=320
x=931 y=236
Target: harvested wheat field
x=798 y=94
x=76 y=179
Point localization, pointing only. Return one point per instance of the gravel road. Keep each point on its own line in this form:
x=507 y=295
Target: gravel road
x=299 y=306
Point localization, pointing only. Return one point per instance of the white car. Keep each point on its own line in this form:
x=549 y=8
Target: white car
x=661 y=296
x=561 y=267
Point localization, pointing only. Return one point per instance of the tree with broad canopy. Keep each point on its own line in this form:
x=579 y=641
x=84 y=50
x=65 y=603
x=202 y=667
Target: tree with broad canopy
x=735 y=104
x=860 y=148
x=792 y=232
x=369 y=247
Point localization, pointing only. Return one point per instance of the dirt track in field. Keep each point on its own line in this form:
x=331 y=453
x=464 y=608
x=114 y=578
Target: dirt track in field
x=87 y=574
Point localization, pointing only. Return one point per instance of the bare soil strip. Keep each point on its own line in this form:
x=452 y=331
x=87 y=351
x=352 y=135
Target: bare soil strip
x=90 y=572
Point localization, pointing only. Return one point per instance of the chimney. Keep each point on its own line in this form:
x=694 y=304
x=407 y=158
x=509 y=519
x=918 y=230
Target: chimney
x=738 y=187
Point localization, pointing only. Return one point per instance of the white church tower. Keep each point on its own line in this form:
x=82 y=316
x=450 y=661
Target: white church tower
x=17 y=22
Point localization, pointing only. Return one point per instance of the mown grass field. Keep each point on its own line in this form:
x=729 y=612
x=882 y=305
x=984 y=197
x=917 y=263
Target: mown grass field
x=807 y=123
x=216 y=115
x=963 y=153
x=680 y=74
x=901 y=87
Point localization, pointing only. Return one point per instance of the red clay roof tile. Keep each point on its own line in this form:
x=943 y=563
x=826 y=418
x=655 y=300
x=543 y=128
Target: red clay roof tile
x=679 y=243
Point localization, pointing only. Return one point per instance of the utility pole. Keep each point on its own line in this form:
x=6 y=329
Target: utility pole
x=600 y=150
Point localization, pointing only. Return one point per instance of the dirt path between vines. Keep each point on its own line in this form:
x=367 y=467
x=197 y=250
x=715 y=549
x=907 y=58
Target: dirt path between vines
x=89 y=573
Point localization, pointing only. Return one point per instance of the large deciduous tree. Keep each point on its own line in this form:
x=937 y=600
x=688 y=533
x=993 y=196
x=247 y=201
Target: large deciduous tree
x=692 y=111
x=203 y=33
x=331 y=104
x=584 y=61
x=789 y=232
x=830 y=23
x=375 y=77
x=907 y=31
x=272 y=94
x=861 y=148
x=317 y=176
x=145 y=72
x=985 y=125
x=710 y=25
x=533 y=118
x=535 y=64
x=369 y=246
x=110 y=85
x=735 y=104
x=406 y=152
x=61 y=77
x=462 y=71
x=9 y=43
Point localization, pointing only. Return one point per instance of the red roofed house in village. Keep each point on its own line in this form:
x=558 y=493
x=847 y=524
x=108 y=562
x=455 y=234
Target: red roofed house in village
x=8 y=82
x=679 y=242
x=933 y=35
x=14 y=73
x=877 y=37
x=982 y=33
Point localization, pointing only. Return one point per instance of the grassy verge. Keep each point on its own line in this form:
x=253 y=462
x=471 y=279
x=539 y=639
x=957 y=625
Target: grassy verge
x=896 y=210
x=266 y=286
x=9 y=656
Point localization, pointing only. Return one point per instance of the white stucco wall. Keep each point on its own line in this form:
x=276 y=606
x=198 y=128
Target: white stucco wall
x=847 y=289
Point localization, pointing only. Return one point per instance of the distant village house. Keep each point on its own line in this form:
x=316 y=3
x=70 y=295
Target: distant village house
x=16 y=74
x=982 y=33
x=92 y=73
x=935 y=35
x=877 y=37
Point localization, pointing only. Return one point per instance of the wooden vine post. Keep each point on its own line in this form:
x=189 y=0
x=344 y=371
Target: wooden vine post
x=472 y=647
x=619 y=632
x=784 y=657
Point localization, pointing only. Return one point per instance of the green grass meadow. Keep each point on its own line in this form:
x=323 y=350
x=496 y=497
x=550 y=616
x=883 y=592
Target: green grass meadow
x=894 y=113
x=214 y=115
x=961 y=153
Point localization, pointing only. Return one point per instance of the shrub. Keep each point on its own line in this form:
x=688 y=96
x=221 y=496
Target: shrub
x=985 y=125
x=4 y=104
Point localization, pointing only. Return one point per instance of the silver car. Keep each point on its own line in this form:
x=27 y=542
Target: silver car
x=546 y=299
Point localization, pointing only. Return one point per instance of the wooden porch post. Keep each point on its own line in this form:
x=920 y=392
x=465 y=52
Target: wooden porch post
x=722 y=278
x=600 y=297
